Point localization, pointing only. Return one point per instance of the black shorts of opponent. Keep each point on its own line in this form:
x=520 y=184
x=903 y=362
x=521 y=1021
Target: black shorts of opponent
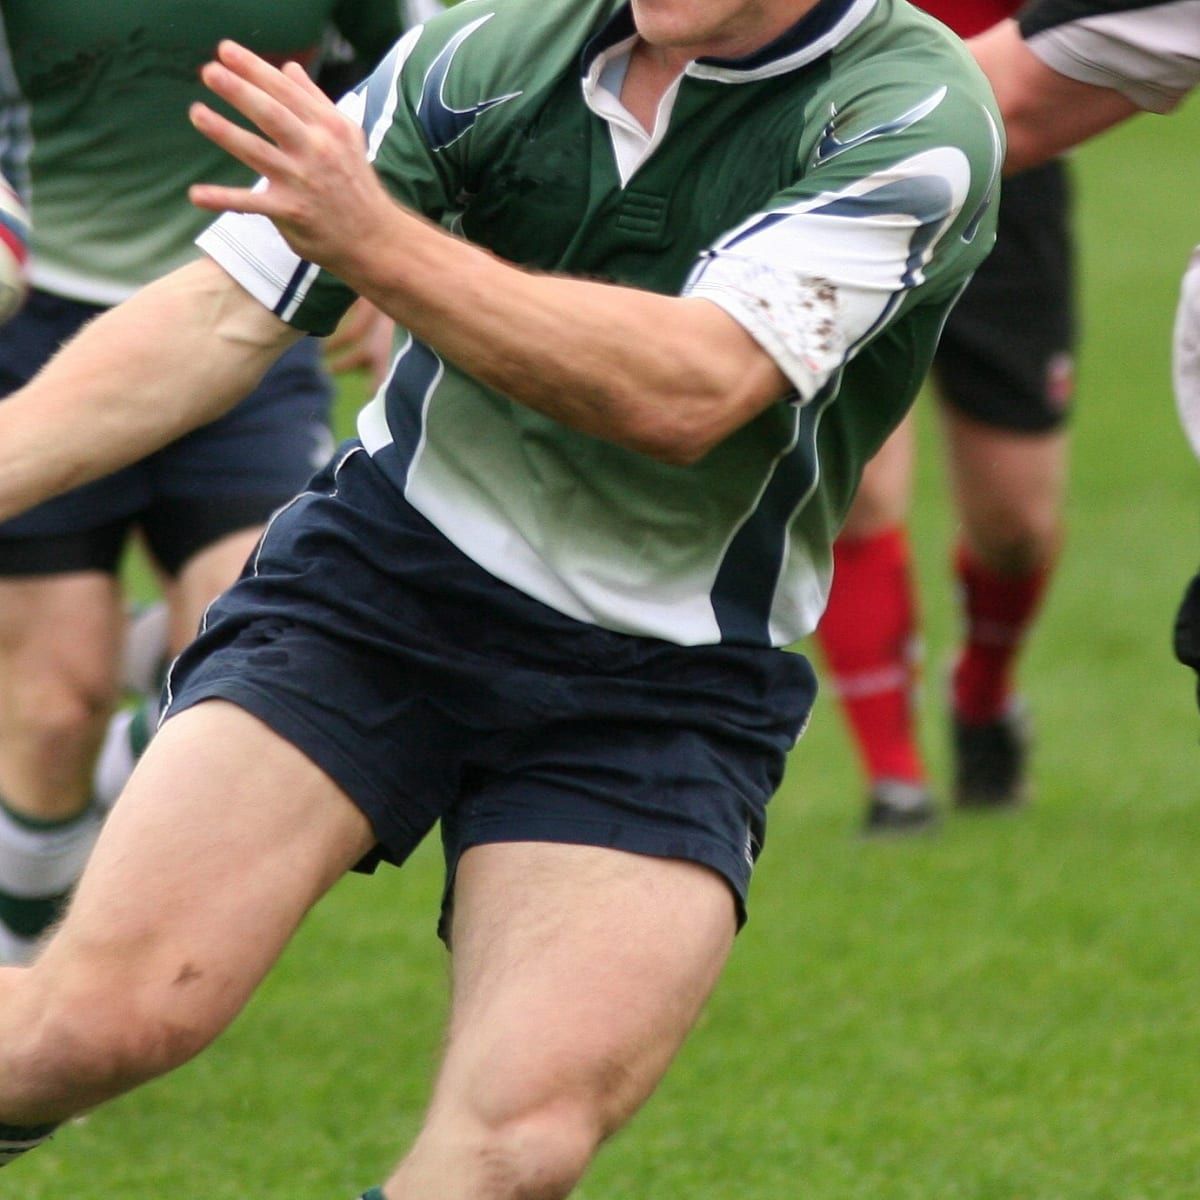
x=1006 y=357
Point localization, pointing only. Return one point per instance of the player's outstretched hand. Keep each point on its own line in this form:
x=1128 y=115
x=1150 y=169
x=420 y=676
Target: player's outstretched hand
x=320 y=191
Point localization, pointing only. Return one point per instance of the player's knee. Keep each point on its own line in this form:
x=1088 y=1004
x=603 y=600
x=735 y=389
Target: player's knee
x=84 y=1039
x=1016 y=543
x=536 y=1152
x=59 y=715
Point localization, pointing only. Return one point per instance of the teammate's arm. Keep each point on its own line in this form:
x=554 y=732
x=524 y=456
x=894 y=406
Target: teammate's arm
x=176 y=355
x=1044 y=112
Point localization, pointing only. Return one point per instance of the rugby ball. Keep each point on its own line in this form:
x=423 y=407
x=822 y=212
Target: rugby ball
x=14 y=251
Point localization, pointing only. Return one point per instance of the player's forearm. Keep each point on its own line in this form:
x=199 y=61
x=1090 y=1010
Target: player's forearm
x=665 y=376
x=176 y=355
x=1044 y=112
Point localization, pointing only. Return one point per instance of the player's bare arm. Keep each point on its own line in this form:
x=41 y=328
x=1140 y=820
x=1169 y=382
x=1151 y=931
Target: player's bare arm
x=1044 y=112
x=666 y=376
x=176 y=355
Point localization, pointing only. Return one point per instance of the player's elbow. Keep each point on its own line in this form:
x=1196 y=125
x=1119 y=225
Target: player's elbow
x=1027 y=142
x=679 y=427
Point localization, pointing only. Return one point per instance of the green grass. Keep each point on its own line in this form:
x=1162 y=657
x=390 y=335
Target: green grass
x=1006 y=1011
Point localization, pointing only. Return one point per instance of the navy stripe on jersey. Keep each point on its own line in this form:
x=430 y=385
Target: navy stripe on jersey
x=302 y=269
x=1035 y=18
x=441 y=124
x=414 y=375
x=744 y=589
x=376 y=89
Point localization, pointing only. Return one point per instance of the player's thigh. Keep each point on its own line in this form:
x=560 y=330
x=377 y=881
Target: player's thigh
x=885 y=490
x=224 y=837
x=578 y=971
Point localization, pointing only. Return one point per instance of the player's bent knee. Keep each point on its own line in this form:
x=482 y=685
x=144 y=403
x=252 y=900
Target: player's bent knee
x=537 y=1155
x=81 y=1044
x=545 y=1152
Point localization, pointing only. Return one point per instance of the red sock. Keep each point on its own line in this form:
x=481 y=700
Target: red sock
x=997 y=611
x=868 y=637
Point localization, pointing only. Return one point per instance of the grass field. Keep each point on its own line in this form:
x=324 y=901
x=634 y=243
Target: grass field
x=1006 y=1011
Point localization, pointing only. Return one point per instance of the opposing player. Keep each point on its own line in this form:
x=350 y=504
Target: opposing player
x=1067 y=71
x=1003 y=373
x=706 y=251
x=95 y=134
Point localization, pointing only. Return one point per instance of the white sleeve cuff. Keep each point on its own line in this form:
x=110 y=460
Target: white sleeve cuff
x=795 y=318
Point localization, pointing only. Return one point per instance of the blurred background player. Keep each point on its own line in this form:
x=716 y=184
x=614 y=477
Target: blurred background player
x=1004 y=376
x=1067 y=71
x=95 y=136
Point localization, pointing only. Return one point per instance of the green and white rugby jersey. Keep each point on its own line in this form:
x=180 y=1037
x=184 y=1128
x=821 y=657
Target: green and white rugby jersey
x=93 y=121
x=831 y=192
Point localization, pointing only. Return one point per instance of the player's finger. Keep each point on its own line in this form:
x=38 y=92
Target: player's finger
x=302 y=79
x=257 y=153
x=282 y=86
x=275 y=119
x=216 y=198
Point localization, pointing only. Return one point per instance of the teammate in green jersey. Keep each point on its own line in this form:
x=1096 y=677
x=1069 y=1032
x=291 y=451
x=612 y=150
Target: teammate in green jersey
x=93 y=131
x=703 y=255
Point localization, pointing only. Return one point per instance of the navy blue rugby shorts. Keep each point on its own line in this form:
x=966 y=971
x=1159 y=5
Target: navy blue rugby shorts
x=429 y=690
x=227 y=476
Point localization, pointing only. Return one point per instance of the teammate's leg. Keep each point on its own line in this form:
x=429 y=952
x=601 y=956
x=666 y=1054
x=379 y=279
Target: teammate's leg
x=212 y=493
x=577 y=973
x=59 y=636
x=224 y=825
x=870 y=640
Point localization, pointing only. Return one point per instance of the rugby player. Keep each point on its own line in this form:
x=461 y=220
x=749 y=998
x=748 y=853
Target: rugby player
x=669 y=274
x=1066 y=71
x=1004 y=376
x=95 y=136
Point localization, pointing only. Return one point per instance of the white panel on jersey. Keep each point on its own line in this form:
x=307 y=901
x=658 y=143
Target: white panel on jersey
x=630 y=596
x=810 y=281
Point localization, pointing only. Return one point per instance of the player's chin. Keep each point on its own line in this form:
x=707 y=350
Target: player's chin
x=666 y=22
